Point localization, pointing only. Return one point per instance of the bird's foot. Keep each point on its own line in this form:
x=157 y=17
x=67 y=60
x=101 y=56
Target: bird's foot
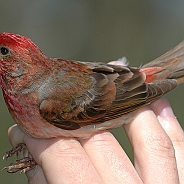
x=24 y=164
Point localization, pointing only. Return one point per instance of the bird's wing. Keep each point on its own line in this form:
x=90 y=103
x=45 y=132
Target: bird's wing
x=91 y=93
x=77 y=95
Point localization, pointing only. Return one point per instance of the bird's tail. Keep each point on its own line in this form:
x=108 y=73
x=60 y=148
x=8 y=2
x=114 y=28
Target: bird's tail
x=168 y=66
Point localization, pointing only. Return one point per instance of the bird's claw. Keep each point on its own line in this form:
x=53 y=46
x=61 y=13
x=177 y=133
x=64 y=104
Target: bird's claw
x=16 y=150
x=24 y=164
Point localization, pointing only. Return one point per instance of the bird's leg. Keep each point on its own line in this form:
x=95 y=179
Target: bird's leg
x=16 y=150
x=24 y=164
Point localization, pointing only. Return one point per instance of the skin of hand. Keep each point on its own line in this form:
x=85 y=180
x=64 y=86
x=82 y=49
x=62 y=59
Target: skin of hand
x=156 y=137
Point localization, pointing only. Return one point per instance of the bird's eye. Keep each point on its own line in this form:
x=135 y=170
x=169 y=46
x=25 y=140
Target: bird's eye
x=4 y=51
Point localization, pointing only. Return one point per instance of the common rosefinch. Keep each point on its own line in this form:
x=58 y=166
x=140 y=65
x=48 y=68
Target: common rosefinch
x=55 y=97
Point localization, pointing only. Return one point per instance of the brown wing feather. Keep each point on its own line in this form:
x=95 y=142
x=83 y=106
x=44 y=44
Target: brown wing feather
x=77 y=99
x=103 y=93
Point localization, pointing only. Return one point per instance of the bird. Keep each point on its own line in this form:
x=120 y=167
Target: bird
x=53 y=97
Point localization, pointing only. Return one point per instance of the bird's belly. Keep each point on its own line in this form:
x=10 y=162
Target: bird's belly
x=38 y=127
x=25 y=112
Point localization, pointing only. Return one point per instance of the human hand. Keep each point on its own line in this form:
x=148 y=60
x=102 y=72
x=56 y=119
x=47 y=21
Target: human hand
x=158 y=146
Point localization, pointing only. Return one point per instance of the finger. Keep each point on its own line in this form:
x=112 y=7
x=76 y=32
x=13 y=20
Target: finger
x=153 y=150
x=16 y=136
x=36 y=176
x=171 y=126
x=110 y=160
x=63 y=160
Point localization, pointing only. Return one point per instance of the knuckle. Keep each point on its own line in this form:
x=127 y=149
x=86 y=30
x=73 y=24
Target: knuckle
x=104 y=140
x=160 y=145
x=178 y=138
x=61 y=147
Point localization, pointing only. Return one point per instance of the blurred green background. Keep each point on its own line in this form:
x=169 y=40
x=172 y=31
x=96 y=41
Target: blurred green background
x=94 y=30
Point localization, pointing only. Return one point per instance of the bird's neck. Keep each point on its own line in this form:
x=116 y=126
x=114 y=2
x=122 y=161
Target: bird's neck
x=26 y=83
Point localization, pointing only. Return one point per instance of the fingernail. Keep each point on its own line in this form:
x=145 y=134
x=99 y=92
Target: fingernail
x=167 y=112
x=163 y=108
